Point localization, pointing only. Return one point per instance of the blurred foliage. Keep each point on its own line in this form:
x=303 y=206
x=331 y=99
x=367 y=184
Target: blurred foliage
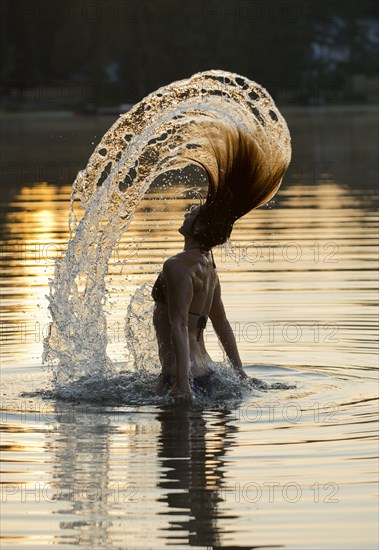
x=302 y=51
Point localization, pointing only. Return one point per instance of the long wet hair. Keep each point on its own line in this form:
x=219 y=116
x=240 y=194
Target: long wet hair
x=244 y=180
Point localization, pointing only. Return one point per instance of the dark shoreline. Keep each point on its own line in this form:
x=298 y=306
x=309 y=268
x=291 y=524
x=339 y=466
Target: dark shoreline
x=330 y=143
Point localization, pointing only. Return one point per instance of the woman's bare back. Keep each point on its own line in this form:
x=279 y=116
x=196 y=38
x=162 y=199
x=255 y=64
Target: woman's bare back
x=198 y=270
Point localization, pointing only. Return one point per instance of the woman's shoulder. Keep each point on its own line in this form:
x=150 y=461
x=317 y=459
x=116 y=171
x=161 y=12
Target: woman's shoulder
x=174 y=263
x=179 y=265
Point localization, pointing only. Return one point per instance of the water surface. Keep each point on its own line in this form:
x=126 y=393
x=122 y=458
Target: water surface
x=292 y=468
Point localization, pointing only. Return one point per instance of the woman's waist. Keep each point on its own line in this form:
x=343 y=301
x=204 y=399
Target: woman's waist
x=197 y=381
x=199 y=364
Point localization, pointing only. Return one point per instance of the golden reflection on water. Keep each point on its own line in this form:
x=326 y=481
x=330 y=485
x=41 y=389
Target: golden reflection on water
x=297 y=276
x=34 y=234
x=299 y=286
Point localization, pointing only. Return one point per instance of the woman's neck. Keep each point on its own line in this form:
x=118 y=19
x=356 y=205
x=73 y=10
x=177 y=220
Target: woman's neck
x=192 y=244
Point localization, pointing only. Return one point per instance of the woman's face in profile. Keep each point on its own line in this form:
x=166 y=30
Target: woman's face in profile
x=189 y=220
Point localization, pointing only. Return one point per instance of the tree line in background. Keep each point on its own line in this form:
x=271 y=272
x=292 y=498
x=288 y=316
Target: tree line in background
x=104 y=53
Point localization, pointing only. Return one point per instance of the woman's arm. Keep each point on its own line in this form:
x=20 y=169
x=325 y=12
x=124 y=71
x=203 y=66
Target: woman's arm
x=179 y=296
x=224 y=331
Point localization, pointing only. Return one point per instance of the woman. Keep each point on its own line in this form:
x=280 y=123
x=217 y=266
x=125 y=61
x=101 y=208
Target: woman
x=186 y=293
x=244 y=176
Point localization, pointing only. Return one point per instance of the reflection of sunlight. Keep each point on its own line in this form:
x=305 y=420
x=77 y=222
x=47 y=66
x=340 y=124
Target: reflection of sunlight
x=46 y=219
x=306 y=251
x=38 y=212
x=322 y=195
x=329 y=195
x=34 y=234
x=319 y=213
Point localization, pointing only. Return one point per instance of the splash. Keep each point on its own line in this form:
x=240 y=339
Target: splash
x=172 y=129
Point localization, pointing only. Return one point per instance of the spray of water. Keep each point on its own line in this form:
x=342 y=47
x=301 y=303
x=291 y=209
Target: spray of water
x=171 y=129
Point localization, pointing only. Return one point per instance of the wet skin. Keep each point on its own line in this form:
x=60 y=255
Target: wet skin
x=192 y=284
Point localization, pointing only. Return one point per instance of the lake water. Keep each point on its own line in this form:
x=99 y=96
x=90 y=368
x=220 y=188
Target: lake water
x=263 y=468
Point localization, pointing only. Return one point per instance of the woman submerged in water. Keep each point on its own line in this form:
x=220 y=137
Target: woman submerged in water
x=187 y=291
